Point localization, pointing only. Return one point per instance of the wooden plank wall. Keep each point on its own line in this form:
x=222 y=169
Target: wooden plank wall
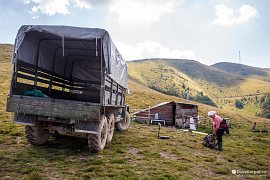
x=165 y=113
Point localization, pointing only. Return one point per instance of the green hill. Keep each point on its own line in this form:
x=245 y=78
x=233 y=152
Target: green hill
x=198 y=70
x=196 y=76
x=158 y=75
x=244 y=70
x=137 y=153
x=178 y=77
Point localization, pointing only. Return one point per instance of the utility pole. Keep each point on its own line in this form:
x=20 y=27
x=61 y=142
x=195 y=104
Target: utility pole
x=239 y=57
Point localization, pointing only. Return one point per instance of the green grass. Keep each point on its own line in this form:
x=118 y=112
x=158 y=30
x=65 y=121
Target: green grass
x=137 y=153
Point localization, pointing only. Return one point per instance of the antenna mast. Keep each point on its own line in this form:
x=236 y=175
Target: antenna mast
x=239 y=57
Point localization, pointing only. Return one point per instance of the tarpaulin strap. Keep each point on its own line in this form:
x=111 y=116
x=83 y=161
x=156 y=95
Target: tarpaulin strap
x=96 y=47
x=63 y=45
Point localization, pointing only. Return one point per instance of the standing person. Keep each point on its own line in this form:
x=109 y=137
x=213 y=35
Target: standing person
x=216 y=120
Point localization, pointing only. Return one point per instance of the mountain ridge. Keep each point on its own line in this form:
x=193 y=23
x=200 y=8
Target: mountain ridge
x=244 y=70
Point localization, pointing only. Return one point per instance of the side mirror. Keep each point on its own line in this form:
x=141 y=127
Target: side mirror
x=128 y=91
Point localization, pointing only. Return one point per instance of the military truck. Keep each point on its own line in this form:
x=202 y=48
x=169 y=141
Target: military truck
x=68 y=80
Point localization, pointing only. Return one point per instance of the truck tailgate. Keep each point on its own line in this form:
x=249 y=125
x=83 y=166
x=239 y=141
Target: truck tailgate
x=53 y=107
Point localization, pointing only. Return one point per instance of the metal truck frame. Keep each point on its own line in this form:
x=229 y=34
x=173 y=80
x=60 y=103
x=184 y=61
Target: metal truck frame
x=77 y=81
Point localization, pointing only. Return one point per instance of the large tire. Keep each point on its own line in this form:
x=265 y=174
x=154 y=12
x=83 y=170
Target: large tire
x=37 y=135
x=111 y=125
x=123 y=126
x=97 y=142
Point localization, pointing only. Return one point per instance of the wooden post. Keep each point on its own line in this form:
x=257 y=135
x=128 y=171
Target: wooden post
x=148 y=122
x=254 y=127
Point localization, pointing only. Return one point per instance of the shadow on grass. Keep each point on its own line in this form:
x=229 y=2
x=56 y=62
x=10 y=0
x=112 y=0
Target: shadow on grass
x=72 y=144
x=60 y=151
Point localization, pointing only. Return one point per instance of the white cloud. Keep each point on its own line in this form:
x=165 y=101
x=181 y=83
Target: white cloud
x=229 y=17
x=52 y=7
x=49 y=7
x=140 y=11
x=83 y=4
x=152 y=49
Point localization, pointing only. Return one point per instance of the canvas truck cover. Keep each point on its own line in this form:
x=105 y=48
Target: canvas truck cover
x=40 y=44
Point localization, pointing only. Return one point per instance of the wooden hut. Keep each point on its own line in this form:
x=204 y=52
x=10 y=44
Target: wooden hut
x=178 y=114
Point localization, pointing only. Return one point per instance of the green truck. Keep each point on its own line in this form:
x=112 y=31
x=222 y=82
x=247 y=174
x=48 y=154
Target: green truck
x=68 y=80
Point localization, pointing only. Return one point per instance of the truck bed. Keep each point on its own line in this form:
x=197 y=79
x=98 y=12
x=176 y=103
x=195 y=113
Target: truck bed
x=50 y=107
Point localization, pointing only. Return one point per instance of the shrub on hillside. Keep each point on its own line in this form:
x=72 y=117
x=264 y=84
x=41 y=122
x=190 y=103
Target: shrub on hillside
x=200 y=97
x=239 y=104
x=186 y=94
x=169 y=91
x=172 y=92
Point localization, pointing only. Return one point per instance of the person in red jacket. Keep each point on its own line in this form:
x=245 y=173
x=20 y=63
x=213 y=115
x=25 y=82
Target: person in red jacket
x=216 y=120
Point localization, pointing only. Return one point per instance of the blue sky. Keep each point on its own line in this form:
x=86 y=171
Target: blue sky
x=208 y=31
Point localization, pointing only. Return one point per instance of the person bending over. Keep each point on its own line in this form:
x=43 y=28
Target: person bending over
x=217 y=130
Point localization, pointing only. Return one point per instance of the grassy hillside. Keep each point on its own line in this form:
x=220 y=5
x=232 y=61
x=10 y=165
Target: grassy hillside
x=217 y=83
x=142 y=97
x=159 y=76
x=6 y=52
x=197 y=70
x=137 y=153
x=5 y=76
x=177 y=77
x=196 y=76
x=244 y=70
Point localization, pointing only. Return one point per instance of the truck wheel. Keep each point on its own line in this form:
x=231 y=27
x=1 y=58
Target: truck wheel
x=123 y=126
x=111 y=125
x=97 y=142
x=37 y=135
